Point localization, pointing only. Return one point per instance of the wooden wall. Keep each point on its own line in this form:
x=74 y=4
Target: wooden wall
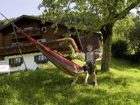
x=8 y=38
x=1 y=40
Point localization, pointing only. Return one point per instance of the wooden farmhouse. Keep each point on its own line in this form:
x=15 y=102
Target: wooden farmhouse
x=46 y=33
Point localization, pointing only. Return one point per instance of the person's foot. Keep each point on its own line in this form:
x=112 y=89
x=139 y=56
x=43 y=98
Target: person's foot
x=73 y=83
x=85 y=84
x=95 y=84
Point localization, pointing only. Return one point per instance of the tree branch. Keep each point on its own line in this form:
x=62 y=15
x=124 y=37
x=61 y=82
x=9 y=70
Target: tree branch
x=122 y=14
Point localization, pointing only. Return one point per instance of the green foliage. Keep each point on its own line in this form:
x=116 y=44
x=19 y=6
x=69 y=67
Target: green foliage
x=134 y=36
x=119 y=48
x=137 y=57
x=4 y=22
x=128 y=29
x=123 y=27
x=86 y=14
x=50 y=86
x=134 y=57
x=1 y=23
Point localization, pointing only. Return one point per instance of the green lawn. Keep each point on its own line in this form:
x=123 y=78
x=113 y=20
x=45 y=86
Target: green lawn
x=50 y=86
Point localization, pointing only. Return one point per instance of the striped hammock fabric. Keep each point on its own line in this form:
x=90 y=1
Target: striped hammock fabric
x=59 y=61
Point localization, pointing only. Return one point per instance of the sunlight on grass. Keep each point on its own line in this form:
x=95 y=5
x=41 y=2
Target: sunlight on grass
x=50 y=86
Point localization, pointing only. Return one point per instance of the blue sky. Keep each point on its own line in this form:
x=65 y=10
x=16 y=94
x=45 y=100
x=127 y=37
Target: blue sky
x=15 y=8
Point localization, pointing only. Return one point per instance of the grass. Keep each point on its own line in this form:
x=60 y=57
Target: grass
x=50 y=86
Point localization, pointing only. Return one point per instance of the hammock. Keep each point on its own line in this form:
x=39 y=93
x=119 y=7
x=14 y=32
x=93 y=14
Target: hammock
x=59 y=61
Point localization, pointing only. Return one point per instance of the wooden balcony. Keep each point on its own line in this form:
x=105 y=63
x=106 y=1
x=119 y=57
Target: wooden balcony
x=33 y=32
x=26 y=48
x=23 y=37
x=59 y=45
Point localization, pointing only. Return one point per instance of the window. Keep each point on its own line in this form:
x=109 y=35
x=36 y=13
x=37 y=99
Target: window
x=13 y=62
x=44 y=29
x=42 y=40
x=28 y=28
x=14 y=45
x=40 y=59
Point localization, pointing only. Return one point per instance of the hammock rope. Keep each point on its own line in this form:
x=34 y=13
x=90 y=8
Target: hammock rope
x=19 y=48
x=79 y=40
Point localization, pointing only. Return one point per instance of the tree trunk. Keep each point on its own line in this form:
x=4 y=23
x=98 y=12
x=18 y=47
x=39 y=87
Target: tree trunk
x=107 y=39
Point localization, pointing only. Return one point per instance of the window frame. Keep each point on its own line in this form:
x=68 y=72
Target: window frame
x=44 y=29
x=40 y=59
x=14 y=62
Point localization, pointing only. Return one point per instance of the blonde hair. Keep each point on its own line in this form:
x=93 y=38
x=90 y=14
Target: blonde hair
x=89 y=47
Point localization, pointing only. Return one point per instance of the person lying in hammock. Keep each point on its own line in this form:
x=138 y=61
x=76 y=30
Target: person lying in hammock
x=90 y=67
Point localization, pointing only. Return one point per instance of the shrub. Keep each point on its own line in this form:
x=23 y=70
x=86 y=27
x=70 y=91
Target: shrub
x=119 y=49
x=136 y=57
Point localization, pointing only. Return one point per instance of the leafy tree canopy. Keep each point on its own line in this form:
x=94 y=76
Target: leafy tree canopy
x=123 y=27
x=88 y=14
x=134 y=36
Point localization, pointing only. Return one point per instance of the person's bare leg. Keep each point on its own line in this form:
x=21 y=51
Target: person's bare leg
x=93 y=75
x=86 y=78
x=75 y=80
x=94 y=78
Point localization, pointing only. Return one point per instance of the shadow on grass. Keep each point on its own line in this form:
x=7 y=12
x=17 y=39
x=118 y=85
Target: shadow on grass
x=52 y=87
x=120 y=64
x=111 y=80
x=105 y=98
x=35 y=87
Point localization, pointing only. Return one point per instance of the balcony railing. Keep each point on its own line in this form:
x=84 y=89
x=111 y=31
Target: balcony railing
x=13 y=50
x=23 y=37
x=59 y=45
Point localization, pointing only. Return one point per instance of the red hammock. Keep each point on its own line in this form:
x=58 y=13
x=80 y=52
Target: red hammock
x=62 y=63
